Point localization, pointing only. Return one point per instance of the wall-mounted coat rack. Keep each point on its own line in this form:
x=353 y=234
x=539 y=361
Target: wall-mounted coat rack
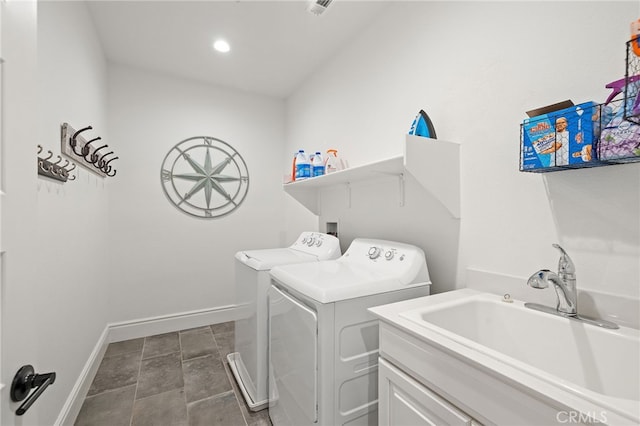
x=94 y=157
x=54 y=170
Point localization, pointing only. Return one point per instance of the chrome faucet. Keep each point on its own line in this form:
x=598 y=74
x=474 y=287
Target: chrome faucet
x=564 y=283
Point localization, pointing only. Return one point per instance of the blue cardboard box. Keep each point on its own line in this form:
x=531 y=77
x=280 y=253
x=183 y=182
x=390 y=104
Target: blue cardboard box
x=559 y=138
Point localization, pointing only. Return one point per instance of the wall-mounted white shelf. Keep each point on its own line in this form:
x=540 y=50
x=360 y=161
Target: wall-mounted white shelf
x=306 y=191
x=434 y=163
x=390 y=166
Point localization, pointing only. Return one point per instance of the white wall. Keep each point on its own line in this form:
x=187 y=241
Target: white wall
x=381 y=209
x=162 y=260
x=72 y=218
x=476 y=67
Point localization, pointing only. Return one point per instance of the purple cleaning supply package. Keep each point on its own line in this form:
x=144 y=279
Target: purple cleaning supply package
x=620 y=138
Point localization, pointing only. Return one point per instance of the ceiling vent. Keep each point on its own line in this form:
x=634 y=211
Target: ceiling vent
x=317 y=7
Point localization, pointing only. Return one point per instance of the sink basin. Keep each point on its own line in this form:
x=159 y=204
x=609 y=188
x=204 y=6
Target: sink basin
x=593 y=363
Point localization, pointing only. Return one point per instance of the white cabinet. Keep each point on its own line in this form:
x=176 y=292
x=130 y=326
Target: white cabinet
x=402 y=401
x=468 y=388
x=434 y=163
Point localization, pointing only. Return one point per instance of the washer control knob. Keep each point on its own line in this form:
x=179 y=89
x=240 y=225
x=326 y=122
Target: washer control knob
x=389 y=255
x=374 y=253
x=318 y=243
x=304 y=240
x=310 y=241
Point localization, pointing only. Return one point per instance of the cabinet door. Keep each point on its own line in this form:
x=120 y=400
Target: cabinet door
x=405 y=402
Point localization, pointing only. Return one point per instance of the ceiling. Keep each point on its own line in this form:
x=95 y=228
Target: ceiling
x=275 y=45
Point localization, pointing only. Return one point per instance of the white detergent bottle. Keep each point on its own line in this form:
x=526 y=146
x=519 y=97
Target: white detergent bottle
x=317 y=165
x=332 y=162
x=303 y=167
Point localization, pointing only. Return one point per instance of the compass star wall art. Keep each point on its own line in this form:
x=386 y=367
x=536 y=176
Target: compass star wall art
x=204 y=177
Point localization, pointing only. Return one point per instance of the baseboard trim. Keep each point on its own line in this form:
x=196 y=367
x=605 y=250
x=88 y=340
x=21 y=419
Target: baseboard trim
x=73 y=404
x=125 y=330
x=134 y=329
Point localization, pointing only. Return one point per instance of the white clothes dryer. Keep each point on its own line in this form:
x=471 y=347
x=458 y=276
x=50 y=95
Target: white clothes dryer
x=249 y=361
x=323 y=343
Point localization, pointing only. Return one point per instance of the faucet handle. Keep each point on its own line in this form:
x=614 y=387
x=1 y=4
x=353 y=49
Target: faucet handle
x=565 y=264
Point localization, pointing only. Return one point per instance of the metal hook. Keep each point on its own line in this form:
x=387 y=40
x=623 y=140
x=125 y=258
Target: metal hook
x=73 y=141
x=66 y=163
x=50 y=155
x=73 y=168
x=59 y=160
x=72 y=177
x=94 y=156
x=39 y=148
x=112 y=175
x=86 y=148
x=41 y=165
x=106 y=168
x=75 y=135
x=100 y=163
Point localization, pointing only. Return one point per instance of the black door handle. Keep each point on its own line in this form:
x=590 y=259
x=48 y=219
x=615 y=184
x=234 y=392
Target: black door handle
x=25 y=380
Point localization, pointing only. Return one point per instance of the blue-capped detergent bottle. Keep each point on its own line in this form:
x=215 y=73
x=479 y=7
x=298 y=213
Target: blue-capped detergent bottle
x=317 y=165
x=303 y=167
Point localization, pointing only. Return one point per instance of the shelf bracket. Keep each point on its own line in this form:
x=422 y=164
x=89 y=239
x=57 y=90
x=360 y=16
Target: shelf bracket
x=401 y=188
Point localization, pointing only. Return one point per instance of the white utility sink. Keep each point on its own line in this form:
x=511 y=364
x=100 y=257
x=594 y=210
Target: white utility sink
x=553 y=355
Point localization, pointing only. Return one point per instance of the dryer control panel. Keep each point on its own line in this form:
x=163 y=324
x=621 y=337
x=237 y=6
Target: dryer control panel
x=393 y=258
x=386 y=253
x=322 y=245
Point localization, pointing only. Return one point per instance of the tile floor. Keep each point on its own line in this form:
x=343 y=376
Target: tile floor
x=171 y=379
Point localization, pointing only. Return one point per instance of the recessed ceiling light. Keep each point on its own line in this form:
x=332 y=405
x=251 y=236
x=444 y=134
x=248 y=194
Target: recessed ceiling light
x=221 y=46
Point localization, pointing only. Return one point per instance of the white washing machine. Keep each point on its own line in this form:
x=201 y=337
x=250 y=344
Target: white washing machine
x=249 y=361
x=323 y=343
